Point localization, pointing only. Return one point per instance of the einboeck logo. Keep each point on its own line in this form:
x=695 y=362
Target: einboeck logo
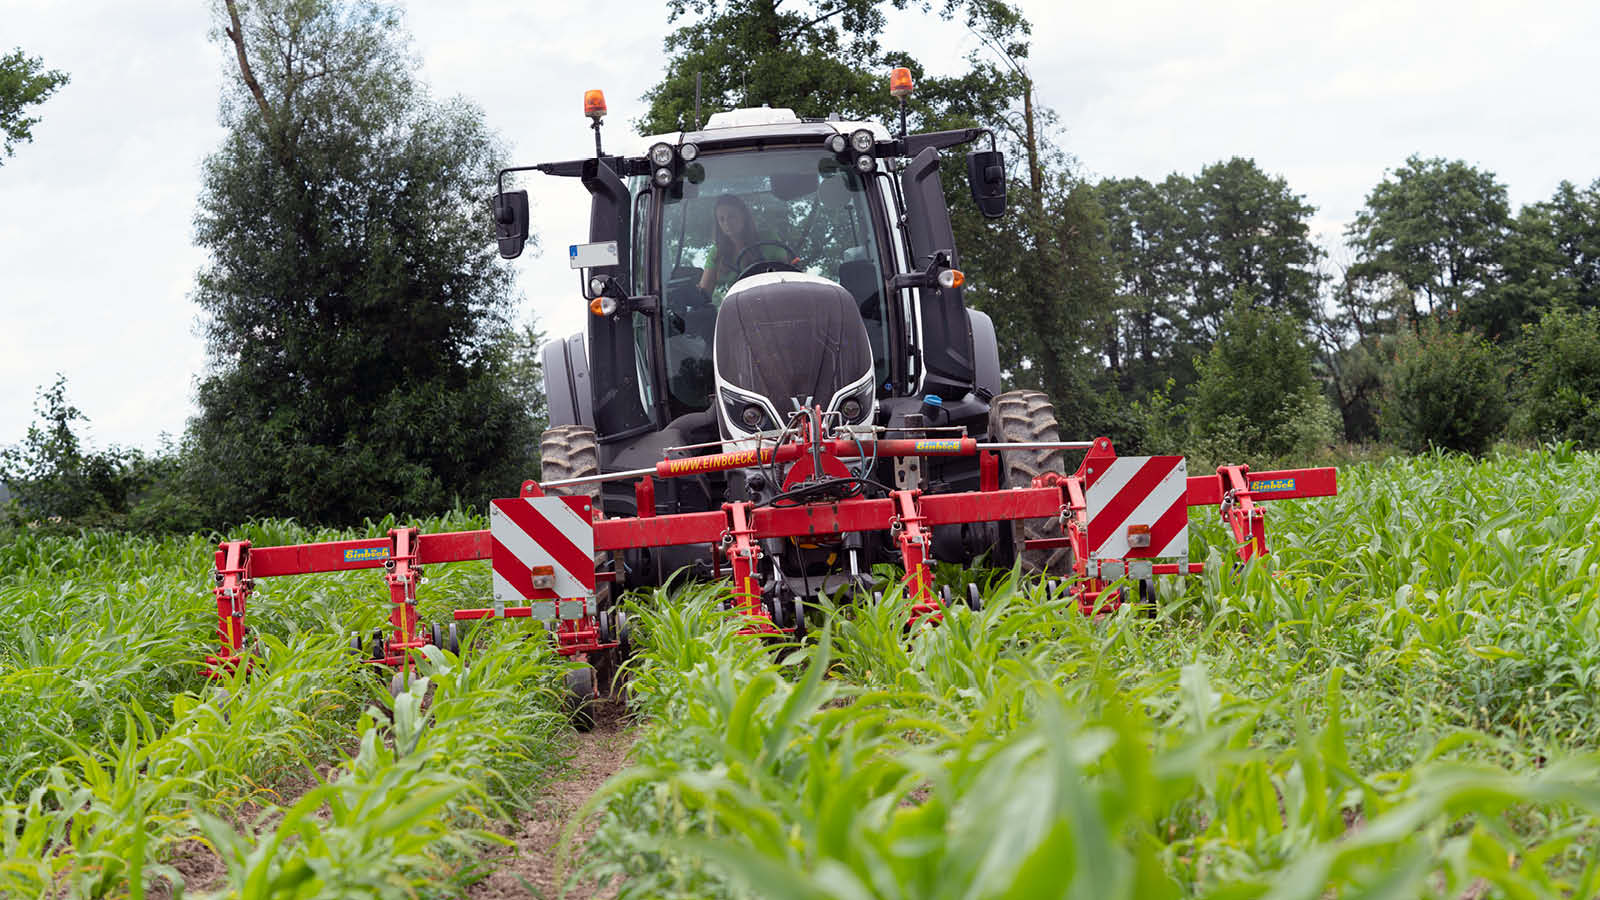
x=938 y=445
x=1268 y=485
x=365 y=554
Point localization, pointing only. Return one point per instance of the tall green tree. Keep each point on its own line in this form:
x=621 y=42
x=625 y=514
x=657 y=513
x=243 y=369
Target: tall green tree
x=1244 y=232
x=355 y=311
x=819 y=57
x=24 y=82
x=1043 y=279
x=1185 y=248
x=1142 y=347
x=1575 y=227
x=1438 y=226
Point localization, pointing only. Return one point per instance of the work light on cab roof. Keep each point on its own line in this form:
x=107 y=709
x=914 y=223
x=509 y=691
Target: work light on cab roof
x=782 y=389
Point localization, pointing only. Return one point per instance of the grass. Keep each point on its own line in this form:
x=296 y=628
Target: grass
x=1400 y=702
x=305 y=778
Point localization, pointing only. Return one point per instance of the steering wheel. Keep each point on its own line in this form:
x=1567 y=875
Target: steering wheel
x=766 y=265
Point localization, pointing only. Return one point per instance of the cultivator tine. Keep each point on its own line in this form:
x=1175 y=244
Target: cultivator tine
x=906 y=526
x=743 y=557
x=402 y=574
x=233 y=586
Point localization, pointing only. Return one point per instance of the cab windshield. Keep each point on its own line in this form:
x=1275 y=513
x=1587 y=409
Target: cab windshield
x=761 y=210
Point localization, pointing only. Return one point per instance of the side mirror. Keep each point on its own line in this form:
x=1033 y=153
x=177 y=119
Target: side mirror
x=511 y=222
x=986 y=171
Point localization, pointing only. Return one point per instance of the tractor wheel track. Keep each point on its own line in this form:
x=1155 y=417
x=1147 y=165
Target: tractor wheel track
x=538 y=867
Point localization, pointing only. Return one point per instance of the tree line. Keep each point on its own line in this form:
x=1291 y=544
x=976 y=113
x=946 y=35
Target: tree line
x=362 y=356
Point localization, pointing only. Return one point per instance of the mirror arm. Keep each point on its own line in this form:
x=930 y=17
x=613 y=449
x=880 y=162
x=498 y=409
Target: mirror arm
x=913 y=144
x=938 y=261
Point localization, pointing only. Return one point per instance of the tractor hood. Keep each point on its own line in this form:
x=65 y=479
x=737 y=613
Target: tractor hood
x=788 y=338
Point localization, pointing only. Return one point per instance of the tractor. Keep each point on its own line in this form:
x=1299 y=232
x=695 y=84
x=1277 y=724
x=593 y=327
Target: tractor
x=848 y=299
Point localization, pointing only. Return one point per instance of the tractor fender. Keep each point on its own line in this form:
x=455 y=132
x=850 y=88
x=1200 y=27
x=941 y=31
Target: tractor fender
x=566 y=382
x=985 y=353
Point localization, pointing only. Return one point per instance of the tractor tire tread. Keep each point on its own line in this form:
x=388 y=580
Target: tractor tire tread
x=1022 y=417
x=571 y=451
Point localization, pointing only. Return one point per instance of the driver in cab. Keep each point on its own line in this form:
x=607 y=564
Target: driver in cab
x=738 y=245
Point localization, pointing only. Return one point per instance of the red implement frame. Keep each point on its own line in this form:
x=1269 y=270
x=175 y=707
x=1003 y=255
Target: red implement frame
x=734 y=533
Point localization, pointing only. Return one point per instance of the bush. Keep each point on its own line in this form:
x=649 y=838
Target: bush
x=1257 y=399
x=52 y=478
x=1446 y=389
x=56 y=482
x=1558 y=379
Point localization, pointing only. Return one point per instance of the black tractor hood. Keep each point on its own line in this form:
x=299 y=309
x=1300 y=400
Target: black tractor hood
x=787 y=335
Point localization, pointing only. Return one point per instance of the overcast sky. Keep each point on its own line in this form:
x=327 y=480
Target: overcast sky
x=96 y=255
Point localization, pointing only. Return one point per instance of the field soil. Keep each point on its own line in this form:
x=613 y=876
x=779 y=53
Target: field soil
x=538 y=866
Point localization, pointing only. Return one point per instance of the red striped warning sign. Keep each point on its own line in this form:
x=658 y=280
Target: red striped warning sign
x=1138 y=508
x=553 y=535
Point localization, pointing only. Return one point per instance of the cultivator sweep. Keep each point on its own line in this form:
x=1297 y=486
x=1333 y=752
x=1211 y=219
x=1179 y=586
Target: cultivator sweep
x=1124 y=519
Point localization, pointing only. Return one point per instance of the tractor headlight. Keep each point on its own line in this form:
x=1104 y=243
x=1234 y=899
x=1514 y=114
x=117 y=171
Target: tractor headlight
x=837 y=143
x=746 y=413
x=862 y=141
x=663 y=177
x=854 y=403
x=865 y=164
x=661 y=155
x=688 y=152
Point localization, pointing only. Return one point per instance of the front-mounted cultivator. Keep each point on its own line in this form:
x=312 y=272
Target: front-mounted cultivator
x=1122 y=520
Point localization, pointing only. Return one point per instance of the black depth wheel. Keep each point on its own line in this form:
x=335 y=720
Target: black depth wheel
x=1018 y=417
x=974 y=598
x=580 y=698
x=798 y=610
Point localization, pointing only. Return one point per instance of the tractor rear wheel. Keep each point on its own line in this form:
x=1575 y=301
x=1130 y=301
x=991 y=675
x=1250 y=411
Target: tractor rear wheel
x=571 y=451
x=1020 y=417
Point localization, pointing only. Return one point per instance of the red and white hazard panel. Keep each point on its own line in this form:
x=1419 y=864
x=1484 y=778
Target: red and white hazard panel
x=542 y=553
x=1138 y=508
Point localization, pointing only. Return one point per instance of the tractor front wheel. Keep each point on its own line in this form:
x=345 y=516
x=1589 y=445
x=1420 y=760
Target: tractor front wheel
x=1022 y=417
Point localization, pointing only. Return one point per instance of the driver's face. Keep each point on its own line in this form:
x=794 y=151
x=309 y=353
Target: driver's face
x=727 y=220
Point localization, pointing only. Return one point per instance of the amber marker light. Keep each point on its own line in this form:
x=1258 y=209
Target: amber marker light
x=951 y=278
x=900 y=83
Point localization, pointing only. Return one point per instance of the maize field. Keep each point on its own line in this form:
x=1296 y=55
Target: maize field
x=1401 y=701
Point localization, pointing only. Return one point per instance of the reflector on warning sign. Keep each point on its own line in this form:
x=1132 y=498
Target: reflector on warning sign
x=1138 y=508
